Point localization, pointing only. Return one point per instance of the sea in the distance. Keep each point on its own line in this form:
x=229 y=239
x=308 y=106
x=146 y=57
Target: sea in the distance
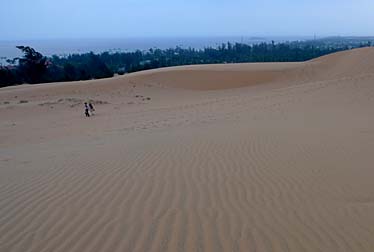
x=64 y=47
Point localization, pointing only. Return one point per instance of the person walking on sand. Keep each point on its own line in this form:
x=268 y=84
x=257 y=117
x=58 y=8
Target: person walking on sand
x=92 y=109
x=86 y=110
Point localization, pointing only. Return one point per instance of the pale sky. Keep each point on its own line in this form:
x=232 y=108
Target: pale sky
x=46 y=19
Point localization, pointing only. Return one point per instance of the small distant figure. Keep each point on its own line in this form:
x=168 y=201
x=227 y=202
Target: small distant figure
x=92 y=109
x=86 y=110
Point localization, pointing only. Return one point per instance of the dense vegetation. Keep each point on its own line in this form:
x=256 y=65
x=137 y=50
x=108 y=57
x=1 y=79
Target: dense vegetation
x=35 y=68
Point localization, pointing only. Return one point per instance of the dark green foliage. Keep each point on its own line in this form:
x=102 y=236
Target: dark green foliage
x=7 y=77
x=82 y=67
x=226 y=53
x=32 y=65
x=31 y=68
x=97 y=68
x=34 y=68
x=70 y=72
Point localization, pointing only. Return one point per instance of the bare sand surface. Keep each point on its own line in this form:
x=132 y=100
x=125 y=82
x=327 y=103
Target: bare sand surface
x=236 y=157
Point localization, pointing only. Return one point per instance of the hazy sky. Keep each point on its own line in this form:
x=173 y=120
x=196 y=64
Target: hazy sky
x=39 y=19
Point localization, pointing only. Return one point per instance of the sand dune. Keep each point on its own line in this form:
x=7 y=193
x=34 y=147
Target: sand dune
x=235 y=157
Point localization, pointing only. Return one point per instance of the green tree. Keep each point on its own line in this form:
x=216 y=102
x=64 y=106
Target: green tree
x=32 y=65
x=70 y=72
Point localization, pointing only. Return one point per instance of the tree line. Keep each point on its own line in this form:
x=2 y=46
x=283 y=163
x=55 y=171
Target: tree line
x=33 y=67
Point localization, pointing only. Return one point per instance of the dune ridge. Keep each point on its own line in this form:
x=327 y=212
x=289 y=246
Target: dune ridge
x=235 y=157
